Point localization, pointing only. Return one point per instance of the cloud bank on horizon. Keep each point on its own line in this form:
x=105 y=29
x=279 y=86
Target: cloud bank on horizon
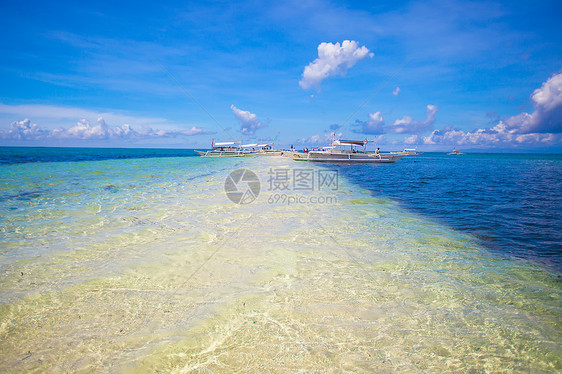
x=83 y=130
x=542 y=126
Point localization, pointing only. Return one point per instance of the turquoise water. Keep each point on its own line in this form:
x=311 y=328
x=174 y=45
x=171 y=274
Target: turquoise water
x=140 y=262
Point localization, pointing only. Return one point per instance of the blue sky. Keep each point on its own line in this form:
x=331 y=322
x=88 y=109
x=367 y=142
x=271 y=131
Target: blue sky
x=435 y=75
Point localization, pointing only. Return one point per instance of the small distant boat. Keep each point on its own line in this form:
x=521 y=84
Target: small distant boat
x=224 y=149
x=339 y=153
x=456 y=152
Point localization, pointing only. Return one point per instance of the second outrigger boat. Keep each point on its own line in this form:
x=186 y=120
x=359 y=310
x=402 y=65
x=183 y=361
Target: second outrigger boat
x=339 y=153
x=224 y=149
x=255 y=149
x=267 y=150
x=233 y=149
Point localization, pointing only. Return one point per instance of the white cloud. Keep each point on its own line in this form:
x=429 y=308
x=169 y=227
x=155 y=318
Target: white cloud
x=325 y=139
x=375 y=119
x=333 y=59
x=547 y=114
x=194 y=131
x=413 y=139
x=83 y=130
x=375 y=125
x=407 y=125
x=249 y=122
x=24 y=130
x=396 y=91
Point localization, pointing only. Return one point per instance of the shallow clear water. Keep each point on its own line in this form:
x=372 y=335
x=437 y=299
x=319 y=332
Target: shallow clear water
x=144 y=264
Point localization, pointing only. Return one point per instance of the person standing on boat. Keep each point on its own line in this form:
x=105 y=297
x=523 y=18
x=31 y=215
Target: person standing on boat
x=377 y=153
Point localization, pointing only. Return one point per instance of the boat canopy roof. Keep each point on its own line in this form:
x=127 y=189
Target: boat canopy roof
x=249 y=145
x=223 y=144
x=263 y=145
x=348 y=142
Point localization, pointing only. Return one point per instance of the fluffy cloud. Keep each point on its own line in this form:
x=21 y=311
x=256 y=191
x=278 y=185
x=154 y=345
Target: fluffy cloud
x=83 y=130
x=325 y=139
x=249 y=122
x=396 y=91
x=333 y=59
x=24 y=130
x=407 y=125
x=374 y=126
x=413 y=139
x=547 y=114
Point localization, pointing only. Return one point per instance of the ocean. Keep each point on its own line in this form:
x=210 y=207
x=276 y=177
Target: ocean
x=155 y=260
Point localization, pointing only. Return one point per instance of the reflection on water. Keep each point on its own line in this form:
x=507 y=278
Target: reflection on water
x=163 y=273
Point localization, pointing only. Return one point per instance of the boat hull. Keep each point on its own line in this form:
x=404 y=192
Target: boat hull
x=221 y=154
x=347 y=157
x=268 y=153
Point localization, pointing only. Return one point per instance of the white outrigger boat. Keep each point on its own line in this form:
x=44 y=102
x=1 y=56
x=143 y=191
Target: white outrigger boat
x=233 y=149
x=225 y=149
x=339 y=153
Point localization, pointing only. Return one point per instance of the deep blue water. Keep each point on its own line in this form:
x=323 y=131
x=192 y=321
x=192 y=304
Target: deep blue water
x=18 y=155
x=511 y=202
